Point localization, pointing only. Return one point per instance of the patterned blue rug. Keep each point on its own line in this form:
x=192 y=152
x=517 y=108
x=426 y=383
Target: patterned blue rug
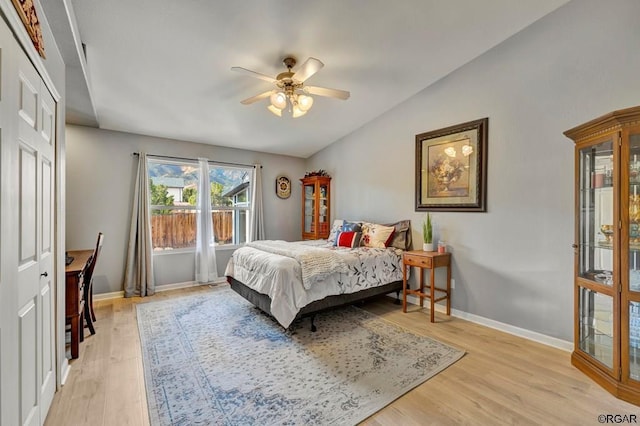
x=214 y=359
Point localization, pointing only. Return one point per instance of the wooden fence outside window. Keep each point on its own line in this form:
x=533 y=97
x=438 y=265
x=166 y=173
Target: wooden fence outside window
x=178 y=229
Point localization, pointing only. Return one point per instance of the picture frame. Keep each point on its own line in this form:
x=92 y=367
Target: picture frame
x=283 y=187
x=451 y=168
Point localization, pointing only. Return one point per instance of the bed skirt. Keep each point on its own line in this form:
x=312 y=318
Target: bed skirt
x=263 y=301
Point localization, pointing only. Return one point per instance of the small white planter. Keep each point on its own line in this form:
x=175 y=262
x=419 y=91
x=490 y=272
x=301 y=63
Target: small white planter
x=427 y=246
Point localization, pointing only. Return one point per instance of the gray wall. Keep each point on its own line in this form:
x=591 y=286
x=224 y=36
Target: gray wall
x=100 y=174
x=513 y=264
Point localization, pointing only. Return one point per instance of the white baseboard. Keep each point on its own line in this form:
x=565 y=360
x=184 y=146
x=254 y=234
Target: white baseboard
x=64 y=373
x=160 y=288
x=507 y=328
x=107 y=296
x=176 y=286
x=187 y=284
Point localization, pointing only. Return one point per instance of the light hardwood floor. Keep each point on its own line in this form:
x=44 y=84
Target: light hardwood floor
x=502 y=379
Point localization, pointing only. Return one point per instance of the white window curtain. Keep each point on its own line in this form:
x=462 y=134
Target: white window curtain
x=138 y=275
x=256 y=222
x=206 y=268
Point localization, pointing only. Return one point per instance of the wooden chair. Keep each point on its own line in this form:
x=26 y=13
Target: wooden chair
x=89 y=314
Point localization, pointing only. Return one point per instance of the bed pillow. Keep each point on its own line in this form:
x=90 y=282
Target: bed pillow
x=376 y=235
x=348 y=239
x=401 y=235
x=348 y=227
x=335 y=229
x=351 y=226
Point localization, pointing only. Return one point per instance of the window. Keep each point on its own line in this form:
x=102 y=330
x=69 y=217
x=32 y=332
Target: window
x=173 y=190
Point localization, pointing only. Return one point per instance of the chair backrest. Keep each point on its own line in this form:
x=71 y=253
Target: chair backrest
x=94 y=258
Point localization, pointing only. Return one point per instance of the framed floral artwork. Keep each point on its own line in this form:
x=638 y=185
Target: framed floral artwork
x=451 y=168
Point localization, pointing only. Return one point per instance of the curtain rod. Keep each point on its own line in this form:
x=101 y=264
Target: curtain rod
x=195 y=159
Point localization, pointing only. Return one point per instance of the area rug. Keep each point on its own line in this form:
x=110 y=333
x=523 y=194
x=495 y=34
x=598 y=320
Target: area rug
x=214 y=359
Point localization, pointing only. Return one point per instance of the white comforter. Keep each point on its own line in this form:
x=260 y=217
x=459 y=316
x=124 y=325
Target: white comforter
x=280 y=277
x=316 y=263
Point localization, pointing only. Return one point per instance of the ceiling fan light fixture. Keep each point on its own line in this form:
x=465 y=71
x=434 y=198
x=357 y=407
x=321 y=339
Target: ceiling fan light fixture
x=278 y=100
x=275 y=110
x=297 y=112
x=305 y=102
x=291 y=93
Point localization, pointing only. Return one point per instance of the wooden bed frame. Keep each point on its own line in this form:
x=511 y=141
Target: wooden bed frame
x=263 y=301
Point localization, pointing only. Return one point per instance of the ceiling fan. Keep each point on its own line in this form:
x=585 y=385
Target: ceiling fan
x=290 y=88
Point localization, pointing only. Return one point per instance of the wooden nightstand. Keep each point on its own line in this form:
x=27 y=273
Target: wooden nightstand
x=426 y=260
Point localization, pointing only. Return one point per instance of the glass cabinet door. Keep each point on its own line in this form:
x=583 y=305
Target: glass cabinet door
x=633 y=332
x=597 y=222
x=634 y=340
x=323 y=208
x=309 y=203
x=634 y=212
x=596 y=245
x=596 y=325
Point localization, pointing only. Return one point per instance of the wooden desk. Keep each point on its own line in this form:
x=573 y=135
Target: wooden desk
x=74 y=306
x=426 y=260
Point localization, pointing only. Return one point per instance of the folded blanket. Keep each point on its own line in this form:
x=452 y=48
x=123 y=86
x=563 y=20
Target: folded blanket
x=315 y=263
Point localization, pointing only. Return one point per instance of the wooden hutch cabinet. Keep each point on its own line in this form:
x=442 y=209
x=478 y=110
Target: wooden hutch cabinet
x=607 y=252
x=316 y=207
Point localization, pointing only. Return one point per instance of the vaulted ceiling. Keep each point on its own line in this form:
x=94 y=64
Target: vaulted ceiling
x=163 y=67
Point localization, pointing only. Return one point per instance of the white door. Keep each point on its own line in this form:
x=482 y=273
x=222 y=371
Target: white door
x=27 y=216
x=46 y=195
x=35 y=161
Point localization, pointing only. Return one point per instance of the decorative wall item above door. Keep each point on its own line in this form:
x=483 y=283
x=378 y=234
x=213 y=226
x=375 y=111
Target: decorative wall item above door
x=290 y=92
x=27 y=12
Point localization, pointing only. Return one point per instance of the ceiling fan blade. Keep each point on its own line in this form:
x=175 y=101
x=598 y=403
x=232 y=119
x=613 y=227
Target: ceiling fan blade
x=309 y=68
x=254 y=74
x=332 y=93
x=256 y=98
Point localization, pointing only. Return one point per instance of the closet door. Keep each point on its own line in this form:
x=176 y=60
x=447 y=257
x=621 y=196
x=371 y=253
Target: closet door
x=8 y=325
x=27 y=289
x=35 y=309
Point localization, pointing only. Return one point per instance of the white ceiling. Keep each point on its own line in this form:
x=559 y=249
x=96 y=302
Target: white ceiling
x=162 y=67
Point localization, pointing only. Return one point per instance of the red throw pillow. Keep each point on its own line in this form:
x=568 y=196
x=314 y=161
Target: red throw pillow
x=386 y=243
x=349 y=239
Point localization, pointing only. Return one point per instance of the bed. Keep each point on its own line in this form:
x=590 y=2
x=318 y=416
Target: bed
x=289 y=280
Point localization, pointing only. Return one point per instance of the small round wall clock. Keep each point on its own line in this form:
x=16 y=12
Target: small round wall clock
x=283 y=187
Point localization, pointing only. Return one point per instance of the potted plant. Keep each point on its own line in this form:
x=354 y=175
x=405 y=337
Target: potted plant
x=427 y=233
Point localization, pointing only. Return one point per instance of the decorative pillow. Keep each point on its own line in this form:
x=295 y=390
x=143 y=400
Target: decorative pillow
x=349 y=239
x=351 y=226
x=335 y=228
x=348 y=227
x=376 y=235
x=401 y=235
